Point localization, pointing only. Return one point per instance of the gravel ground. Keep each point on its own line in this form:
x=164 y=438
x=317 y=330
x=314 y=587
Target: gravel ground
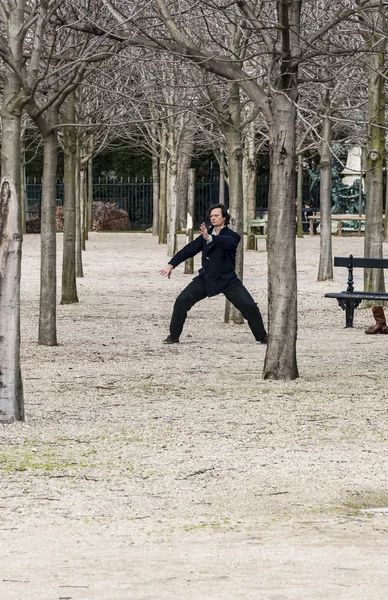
x=152 y=472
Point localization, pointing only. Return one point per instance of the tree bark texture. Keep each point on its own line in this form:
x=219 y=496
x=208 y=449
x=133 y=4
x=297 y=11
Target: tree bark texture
x=251 y=172
x=189 y=263
x=11 y=387
x=280 y=360
x=47 y=125
x=172 y=203
x=48 y=254
x=245 y=192
x=185 y=154
x=84 y=205
x=90 y=194
x=325 y=270
x=221 y=191
x=386 y=197
x=78 y=211
x=236 y=211
x=163 y=196
x=23 y=191
x=299 y=198
x=375 y=147
x=233 y=139
x=69 y=285
x=155 y=195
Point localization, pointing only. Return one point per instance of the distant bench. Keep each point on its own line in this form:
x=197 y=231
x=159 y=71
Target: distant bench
x=350 y=299
x=340 y=219
x=256 y=230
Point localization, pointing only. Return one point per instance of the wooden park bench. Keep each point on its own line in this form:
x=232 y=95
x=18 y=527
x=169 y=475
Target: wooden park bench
x=256 y=230
x=351 y=298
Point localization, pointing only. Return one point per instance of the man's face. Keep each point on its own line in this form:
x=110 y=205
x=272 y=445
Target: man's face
x=216 y=217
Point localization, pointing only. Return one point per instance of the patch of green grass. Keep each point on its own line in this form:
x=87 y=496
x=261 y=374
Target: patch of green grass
x=199 y=527
x=32 y=462
x=123 y=438
x=144 y=387
x=215 y=525
x=32 y=457
x=368 y=500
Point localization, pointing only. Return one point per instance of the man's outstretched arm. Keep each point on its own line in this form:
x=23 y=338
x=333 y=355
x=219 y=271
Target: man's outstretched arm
x=187 y=251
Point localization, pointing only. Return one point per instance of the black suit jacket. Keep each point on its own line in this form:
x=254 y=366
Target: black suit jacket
x=218 y=260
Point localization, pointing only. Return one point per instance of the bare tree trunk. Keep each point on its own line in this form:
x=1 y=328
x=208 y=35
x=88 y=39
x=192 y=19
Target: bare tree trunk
x=172 y=202
x=325 y=271
x=233 y=138
x=252 y=173
x=69 y=285
x=11 y=387
x=78 y=211
x=47 y=126
x=189 y=263
x=245 y=192
x=155 y=195
x=252 y=190
x=90 y=194
x=84 y=205
x=280 y=360
x=221 y=193
x=163 y=196
x=299 y=198
x=185 y=154
x=386 y=195
x=375 y=146
x=23 y=184
x=48 y=255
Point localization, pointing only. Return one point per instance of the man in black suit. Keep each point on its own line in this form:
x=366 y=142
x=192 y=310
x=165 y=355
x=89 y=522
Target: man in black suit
x=218 y=245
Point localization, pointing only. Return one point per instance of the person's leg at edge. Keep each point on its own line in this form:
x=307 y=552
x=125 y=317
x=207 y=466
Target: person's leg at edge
x=243 y=301
x=192 y=294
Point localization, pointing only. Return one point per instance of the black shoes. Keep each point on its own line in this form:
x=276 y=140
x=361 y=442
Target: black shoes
x=170 y=340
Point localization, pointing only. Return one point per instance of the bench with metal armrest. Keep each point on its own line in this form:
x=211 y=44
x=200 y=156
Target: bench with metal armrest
x=350 y=299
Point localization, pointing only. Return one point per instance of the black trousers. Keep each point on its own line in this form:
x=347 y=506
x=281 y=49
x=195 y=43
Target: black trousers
x=238 y=296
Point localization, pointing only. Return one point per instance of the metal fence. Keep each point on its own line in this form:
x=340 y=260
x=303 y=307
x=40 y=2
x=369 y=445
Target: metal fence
x=135 y=197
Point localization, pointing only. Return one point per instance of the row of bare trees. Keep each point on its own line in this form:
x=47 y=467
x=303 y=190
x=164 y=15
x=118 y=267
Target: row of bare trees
x=289 y=76
x=44 y=62
x=273 y=53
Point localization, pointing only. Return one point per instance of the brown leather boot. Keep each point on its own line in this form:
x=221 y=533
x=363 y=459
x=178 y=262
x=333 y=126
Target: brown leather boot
x=381 y=324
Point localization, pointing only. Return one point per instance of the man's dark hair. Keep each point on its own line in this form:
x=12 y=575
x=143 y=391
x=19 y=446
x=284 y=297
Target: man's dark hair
x=225 y=213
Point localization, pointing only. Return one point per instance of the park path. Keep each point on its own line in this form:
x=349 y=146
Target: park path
x=152 y=472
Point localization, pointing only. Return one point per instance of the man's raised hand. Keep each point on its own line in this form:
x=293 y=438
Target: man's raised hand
x=203 y=231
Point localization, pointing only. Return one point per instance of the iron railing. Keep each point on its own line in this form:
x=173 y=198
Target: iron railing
x=135 y=197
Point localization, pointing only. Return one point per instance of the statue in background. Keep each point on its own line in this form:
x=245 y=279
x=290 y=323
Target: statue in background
x=315 y=177
x=345 y=198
